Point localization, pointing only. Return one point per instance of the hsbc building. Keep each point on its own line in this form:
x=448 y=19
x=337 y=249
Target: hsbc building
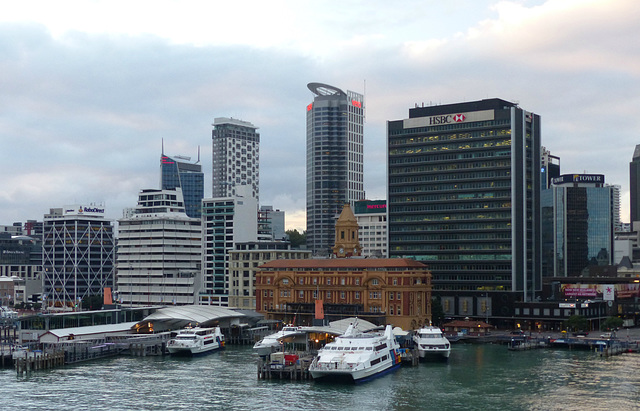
x=464 y=197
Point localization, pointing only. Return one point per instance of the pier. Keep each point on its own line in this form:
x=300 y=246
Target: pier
x=283 y=366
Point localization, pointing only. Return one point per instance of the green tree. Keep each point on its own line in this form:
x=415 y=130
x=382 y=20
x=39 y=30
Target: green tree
x=437 y=312
x=296 y=238
x=576 y=323
x=611 y=323
x=92 y=302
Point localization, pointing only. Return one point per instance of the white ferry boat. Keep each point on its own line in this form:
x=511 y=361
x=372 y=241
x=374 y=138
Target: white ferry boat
x=191 y=341
x=271 y=343
x=357 y=356
x=432 y=343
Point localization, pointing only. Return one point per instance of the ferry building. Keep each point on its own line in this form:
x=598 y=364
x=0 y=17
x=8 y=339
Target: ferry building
x=381 y=290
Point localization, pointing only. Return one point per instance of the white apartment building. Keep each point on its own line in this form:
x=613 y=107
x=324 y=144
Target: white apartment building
x=159 y=252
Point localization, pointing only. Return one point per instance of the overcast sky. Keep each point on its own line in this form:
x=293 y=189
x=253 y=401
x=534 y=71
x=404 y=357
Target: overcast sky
x=89 y=89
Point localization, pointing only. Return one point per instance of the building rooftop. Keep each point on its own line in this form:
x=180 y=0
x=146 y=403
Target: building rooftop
x=350 y=263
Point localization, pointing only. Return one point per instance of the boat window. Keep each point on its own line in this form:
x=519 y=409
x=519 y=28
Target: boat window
x=340 y=348
x=381 y=347
x=361 y=348
x=369 y=348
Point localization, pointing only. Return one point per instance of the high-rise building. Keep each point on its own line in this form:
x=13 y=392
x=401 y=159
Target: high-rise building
x=617 y=222
x=334 y=160
x=159 y=251
x=77 y=255
x=236 y=157
x=464 y=188
x=225 y=222
x=549 y=168
x=372 y=220
x=244 y=263
x=270 y=224
x=634 y=185
x=583 y=219
x=178 y=172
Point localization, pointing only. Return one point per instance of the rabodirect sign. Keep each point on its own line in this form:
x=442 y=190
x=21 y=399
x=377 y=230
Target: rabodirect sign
x=83 y=210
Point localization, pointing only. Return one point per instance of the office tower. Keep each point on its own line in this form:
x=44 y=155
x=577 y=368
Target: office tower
x=159 y=251
x=549 y=168
x=236 y=157
x=244 y=263
x=271 y=224
x=634 y=185
x=583 y=218
x=177 y=172
x=77 y=255
x=225 y=222
x=334 y=160
x=464 y=188
x=372 y=220
x=617 y=223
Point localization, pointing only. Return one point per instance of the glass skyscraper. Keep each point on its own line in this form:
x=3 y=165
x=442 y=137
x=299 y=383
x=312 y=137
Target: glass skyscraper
x=583 y=223
x=334 y=160
x=634 y=185
x=463 y=197
x=177 y=172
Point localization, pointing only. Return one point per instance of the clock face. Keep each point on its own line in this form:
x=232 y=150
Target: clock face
x=355 y=250
x=341 y=250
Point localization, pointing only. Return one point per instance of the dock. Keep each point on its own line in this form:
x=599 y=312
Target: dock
x=283 y=366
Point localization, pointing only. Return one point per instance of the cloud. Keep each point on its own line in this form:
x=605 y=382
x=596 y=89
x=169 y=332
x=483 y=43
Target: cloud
x=86 y=103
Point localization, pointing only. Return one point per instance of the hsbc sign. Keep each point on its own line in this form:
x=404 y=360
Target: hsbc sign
x=449 y=119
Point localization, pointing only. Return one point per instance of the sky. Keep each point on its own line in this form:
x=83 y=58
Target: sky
x=90 y=90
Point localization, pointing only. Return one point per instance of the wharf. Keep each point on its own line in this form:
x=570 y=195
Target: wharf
x=283 y=366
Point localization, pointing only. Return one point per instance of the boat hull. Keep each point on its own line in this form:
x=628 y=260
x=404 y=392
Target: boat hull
x=356 y=376
x=188 y=351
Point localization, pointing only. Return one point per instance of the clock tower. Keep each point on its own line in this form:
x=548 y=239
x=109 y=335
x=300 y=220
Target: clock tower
x=347 y=243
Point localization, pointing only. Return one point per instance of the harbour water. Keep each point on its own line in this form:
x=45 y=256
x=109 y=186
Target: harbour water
x=477 y=377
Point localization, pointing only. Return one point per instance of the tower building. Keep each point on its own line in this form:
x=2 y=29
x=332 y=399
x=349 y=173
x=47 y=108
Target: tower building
x=177 y=172
x=464 y=187
x=634 y=185
x=334 y=160
x=236 y=157
x=159 y=251
x=583 y=223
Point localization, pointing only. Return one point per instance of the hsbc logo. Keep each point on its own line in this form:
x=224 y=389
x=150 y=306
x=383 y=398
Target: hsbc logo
x=447 y=119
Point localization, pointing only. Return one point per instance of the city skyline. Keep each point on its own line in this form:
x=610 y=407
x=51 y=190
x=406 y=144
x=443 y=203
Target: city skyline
x=86 y=102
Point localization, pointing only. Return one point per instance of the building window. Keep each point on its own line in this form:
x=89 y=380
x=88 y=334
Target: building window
x=315 y=281
x=328 y=281
x=391 y=296
x=301 y=281
x=285 y=281
x=315 y=294
x=398 y=312
x=391 y=309
x=357 y=295
x=374 y=295
x=301 y=294
x=342 y=295
x=342 y=281
x=399 y=296
x=266 y=293
x=268 y=280
x=395 y=281
x=328 y=295
x=375 y=281
x=357 y=281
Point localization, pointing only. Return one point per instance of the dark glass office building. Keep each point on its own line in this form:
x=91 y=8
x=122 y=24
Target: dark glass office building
x=463 y=197
x=334 y=160
x=177 y=172
x=583 y=223
x=634 y=185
